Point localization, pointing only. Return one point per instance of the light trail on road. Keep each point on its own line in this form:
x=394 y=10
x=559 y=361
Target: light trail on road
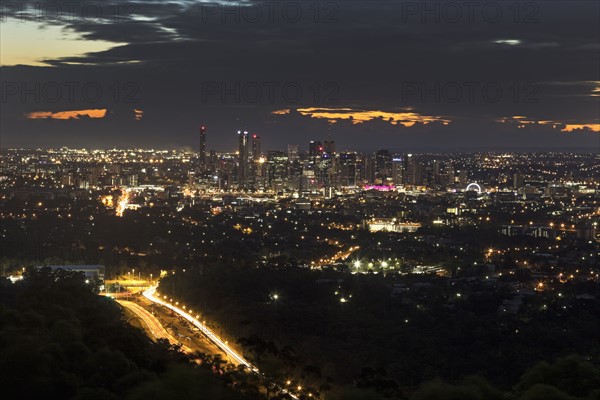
x=154 y=325
x=149 y=294
x=210 y=335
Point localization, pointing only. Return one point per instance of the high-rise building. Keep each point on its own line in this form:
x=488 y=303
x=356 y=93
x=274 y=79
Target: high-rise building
x=415 y=171
x=397 y=170
x=329 y=147
x=256 y=164
x=325 y=170
x=277 y=171
x=436 y=168
x=243 y=153
x=369 y=169
x=315 y=149
x=227 y=168
x=348 y=170
x=212 y=160
x=383 y=166
x=202 y=149
x=255 y=147
x=293 y=153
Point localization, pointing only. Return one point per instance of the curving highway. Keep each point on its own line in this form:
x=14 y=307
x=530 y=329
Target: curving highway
x=209 y=334
x=154 y=326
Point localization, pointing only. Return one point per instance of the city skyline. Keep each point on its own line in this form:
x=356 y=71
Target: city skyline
x=300 y=200
x=235 y=147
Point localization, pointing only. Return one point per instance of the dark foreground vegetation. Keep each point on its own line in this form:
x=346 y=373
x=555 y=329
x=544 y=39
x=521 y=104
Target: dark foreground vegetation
x=343 y=336
x=59 y=340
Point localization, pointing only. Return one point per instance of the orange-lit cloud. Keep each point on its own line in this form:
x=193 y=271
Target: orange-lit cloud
x=333 y=115
x=74 y=114
x=523 y=121
x=572 y=127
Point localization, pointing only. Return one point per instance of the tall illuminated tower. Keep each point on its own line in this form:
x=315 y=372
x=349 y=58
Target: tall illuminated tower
x=243 y=153
x=255 y=147
x=202 y=149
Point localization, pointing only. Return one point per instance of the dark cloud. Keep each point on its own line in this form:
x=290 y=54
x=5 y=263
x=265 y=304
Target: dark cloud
x=188 y=63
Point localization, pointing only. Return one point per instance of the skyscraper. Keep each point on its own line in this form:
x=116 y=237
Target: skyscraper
x=293 y=154
x=256 y=164
x=277 y=170
x=243 y=152
x=315 y=148
x=369 y=169
x=202 y=149
x=415 y=171
x=329 y=147
x=383 y=166
x=255 y=147
x=348 y=170
x=397 y=170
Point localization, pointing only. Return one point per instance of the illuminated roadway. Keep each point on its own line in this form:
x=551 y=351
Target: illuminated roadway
x=210 y=335
x=153 y=324
x=340 y=255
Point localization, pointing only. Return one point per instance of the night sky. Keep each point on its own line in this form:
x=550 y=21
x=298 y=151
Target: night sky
x=402 y=75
